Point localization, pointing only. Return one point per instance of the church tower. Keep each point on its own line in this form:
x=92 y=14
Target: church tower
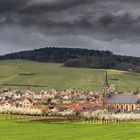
x=105 y=87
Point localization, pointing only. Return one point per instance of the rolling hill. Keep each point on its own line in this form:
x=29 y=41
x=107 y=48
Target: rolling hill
x=23 y=73
x=76 y=57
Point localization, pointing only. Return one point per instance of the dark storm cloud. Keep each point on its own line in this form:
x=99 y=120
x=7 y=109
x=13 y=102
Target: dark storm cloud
x=38 y=7
x=11 y=5
x=120 y=26
x=124 y=26
x=25 y=13
x=103 y=24
x=53 y=6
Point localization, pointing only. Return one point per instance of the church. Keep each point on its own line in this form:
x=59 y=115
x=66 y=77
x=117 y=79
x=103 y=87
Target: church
x=124 y=102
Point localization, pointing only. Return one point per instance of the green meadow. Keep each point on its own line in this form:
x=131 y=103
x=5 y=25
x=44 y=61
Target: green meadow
x=28 y=130
x=52 y=75
x=56 y=76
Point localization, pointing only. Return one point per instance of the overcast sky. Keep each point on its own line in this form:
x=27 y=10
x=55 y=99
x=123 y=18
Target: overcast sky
x=94 y=24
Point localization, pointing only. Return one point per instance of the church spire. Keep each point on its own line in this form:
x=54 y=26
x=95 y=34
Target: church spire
x=105 y=86
x=106 y=82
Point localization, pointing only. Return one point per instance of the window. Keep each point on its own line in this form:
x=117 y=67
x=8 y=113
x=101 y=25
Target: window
x=127 y=107
x=122 y=107
x=132 y=107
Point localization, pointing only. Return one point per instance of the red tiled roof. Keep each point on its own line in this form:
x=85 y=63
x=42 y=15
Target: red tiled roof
x=77 y=107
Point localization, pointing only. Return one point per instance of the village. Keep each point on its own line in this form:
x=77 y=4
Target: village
x=68 y=101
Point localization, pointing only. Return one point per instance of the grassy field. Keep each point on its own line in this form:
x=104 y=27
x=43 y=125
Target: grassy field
x=56 y=76
x=60 y=131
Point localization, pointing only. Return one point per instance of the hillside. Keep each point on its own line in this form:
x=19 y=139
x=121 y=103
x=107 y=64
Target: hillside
x=52 y=75
x=76 y=57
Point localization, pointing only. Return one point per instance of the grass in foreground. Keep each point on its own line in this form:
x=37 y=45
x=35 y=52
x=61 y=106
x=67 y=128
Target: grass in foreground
x=56 y=76
x=60 y=131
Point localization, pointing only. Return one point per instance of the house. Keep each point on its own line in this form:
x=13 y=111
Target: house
x=17 y=96
x=76 y=106
x=6 y=103
x=65 y=97
x=17 y=102
x=63 y=107
x=66 y=101
x=37 y=96
x=27 y=103
x=125 y=102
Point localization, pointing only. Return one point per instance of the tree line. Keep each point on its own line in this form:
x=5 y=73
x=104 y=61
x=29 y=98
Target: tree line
x=77 y=57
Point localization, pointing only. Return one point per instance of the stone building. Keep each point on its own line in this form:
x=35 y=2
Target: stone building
x=125 y=102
